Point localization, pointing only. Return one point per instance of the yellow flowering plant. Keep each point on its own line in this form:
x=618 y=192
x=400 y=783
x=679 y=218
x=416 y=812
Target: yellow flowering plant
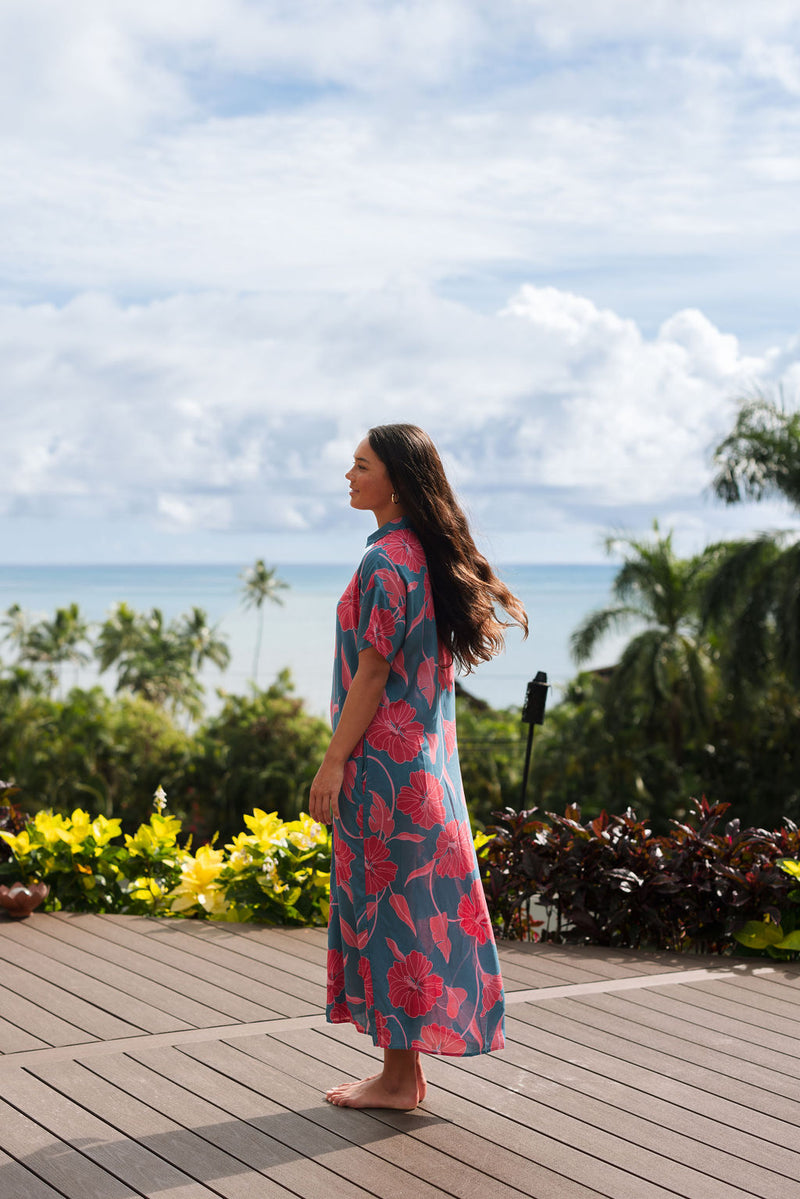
x=275 y=871
x=74 y=855
x=278 y=872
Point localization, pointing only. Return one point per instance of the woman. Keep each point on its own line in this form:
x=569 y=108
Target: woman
x=411 y=957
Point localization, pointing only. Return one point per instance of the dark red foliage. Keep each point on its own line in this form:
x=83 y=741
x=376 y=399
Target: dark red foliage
x=11 y=819
x=610 y=882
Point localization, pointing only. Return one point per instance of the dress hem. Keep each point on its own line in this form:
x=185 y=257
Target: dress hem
x=494 y=1048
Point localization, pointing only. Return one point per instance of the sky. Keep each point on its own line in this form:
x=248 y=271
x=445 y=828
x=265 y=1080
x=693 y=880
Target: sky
x=561 y=235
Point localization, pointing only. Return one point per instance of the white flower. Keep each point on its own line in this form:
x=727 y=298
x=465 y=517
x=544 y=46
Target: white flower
x=159 y=798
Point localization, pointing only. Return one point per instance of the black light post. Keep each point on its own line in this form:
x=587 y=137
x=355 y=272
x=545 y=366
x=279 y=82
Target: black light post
x=532 y=714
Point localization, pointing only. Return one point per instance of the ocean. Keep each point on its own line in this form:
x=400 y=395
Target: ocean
x=299 y=635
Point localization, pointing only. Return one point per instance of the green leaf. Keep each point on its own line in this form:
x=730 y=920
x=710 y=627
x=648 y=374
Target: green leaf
x=758 y=934
x=792 y=941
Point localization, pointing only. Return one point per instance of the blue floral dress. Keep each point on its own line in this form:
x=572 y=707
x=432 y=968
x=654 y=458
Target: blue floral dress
x=411 y=956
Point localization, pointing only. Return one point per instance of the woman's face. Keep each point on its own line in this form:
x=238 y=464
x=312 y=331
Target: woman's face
x=370 y=485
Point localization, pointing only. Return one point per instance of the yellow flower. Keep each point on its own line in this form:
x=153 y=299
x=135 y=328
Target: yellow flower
x=104 y=830
x=241 y=851
x=51 y=827
x=146 y=889
x=161 y=832
x=198 y=885
x=305 y=833
x=267 y=828
x=20 y=845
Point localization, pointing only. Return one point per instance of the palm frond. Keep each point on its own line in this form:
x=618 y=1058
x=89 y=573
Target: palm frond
x=597 y=625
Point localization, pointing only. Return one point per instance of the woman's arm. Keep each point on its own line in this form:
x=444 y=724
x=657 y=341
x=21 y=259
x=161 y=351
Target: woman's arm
x=359 y=707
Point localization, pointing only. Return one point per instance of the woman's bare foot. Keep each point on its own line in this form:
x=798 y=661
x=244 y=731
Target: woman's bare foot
x=374 y=1092
x=400 y=1085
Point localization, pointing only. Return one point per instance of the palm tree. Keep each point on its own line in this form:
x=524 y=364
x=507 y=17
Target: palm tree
x=52 y=643
x=261 y=583
x=16 y=626
x=204 y=642
x=155 y=659
x=753 y=592
x=664 y=673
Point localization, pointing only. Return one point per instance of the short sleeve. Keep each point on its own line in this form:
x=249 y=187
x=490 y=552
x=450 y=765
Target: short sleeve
x=382 y=618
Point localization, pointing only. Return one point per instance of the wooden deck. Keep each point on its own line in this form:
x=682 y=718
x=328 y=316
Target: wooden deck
x=187 y=1060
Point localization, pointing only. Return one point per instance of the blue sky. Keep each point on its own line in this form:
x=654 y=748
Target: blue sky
x=562 y=237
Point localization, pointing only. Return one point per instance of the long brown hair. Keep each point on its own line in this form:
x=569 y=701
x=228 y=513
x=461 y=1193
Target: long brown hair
x=465 y=588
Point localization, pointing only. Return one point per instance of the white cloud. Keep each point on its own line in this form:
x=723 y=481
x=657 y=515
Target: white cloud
x=235 y=414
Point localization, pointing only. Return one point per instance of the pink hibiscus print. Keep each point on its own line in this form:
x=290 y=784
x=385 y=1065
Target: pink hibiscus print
x=348 y=782
x=412 y=986
x=343 y=857
x=492 y=990
x=403 y=546
x=449 y=736
x=394 y=730
x=378 y=869
x=348 y=607
x=426 y=680
x=365 y=970
x=340 y=1014
x=382 y=1034
x=454 y=855
x=392 y=584
x=335 y=974
x=437 y=1038
x=422 y=800
x=379 y=631
x=428 y=609
x=473 y=915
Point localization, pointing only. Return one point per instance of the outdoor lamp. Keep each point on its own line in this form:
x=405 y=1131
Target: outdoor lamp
x=532 y=714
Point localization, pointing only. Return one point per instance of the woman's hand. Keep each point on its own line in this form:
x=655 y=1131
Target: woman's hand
x=323 y=798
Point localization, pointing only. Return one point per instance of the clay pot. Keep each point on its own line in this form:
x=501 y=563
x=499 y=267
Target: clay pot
x=19 y=900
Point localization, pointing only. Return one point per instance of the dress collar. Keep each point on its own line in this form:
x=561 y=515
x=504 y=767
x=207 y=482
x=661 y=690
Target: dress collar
x=400 y=522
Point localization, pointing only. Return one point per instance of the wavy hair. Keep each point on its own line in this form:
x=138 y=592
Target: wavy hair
x=465 y=588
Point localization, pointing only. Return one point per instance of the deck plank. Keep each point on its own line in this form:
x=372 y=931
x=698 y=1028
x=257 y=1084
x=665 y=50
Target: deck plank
x=14 y=1038
x=673 y=1109
x=694 y=1008
x=719 y=1055
x=47 y=1155
x=163 y=980
x=65 y=1004
x=144 y=1167
x=16 y=1182
x=25 y=1013
x=480 y=1110
x=283 y=1072
x=261 y=1095
x=624 y=1050
x=152 y=1005
x=731 y=1040
x=195 y=970
x=302 y=994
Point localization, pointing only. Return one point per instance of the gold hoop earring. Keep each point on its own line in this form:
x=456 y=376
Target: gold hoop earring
x=395 y=498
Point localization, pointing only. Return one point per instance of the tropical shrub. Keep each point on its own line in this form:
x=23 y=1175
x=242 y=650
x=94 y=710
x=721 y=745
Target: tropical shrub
x=611 y=882
x=260 y=750
x=491 y=750
x=276 y=872
x=776 y=938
